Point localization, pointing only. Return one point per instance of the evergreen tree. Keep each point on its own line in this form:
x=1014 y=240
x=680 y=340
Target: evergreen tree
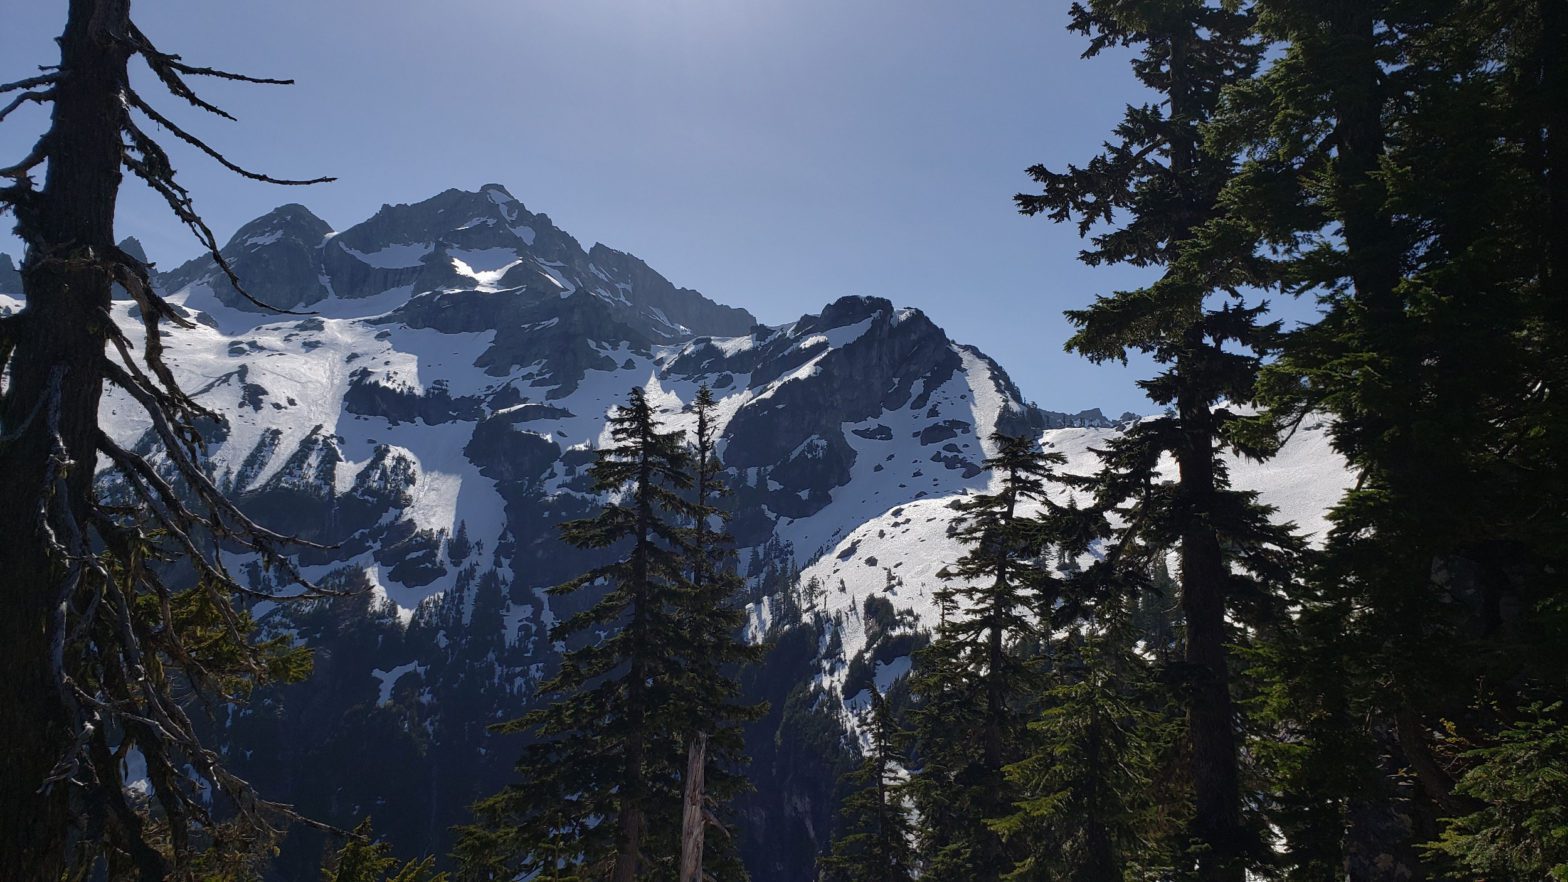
x=872 y=838
x=1519 y=777
x=361 y=859
x=598 y=793
x=976 y=681
x=1153 y=199
x=1086 y=810
x=713 y=647
x=1407 y=162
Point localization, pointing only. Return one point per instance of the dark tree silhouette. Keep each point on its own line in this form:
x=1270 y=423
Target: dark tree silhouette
x=978 y=680
x=598 y=791
x=714 y=649
x=97 y=647
x=1151 y=199
x=872 y=840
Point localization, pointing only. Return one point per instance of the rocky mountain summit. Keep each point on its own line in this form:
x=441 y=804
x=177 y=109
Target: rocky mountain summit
x=482 y=242
x=431 y=420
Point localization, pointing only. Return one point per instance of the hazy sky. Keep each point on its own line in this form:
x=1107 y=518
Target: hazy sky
x=773 y=154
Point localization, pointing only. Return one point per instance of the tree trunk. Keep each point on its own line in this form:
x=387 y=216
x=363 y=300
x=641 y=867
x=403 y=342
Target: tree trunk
x=1210 y=715
x=628 y=856
x=996 y=698
x=1554 y=99
x=49 y=414
x=693 y=822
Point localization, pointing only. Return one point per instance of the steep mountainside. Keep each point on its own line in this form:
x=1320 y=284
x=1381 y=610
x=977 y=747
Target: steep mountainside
x=431 y=420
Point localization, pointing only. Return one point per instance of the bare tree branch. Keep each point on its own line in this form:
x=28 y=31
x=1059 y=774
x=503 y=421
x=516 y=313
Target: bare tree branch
x=137 y=102
x=154 y=56
x=29 y=83
x=34 y=97
x=28 y=163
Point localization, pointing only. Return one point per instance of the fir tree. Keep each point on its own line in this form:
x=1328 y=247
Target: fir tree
x=1407 y=162
x=598 y=793
x=1308 y=744
x=872 y=837
x=976 y=681
x=1519 y=777
x=1085 y=809
x=713 y=647
x=1152 y=199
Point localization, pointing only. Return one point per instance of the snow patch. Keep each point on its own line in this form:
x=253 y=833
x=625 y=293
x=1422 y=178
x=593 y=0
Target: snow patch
x=400 y=256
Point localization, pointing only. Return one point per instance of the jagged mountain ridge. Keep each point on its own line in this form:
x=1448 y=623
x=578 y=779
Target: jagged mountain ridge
x=464 y=354
x=484 y=241
x=433 y=421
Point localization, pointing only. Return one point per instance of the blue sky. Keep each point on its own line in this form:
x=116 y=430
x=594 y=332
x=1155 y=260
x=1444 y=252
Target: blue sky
x=773 y=154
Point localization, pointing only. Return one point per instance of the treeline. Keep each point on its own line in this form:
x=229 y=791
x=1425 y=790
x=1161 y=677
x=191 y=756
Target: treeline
x=1166 y=684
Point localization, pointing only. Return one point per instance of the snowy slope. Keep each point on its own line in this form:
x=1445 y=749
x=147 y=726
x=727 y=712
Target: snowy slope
x=898 y=553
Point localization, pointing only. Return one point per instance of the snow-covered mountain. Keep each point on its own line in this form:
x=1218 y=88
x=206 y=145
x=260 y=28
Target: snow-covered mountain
x=896 y=555
x=432 y=419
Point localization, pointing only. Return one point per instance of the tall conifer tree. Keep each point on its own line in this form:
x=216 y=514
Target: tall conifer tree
x=598 y=790
x=714 y=647
x=976 y=683
x=1086 y=807
x=873 y=840
x=1408 y=162
x=1152 y=200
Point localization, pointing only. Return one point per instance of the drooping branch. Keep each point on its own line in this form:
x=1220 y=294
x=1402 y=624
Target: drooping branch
x=226 y=518
x=136 y=101
x=168 y=68
x=163 y=67
x=180 y=522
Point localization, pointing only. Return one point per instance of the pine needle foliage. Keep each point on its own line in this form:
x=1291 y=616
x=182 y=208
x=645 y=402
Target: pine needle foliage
x=1407 y=167
x=1519 y=776
x=1084 y=811
x=362 y=859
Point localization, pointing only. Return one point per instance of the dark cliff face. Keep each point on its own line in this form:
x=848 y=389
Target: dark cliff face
x=683 y=306
x=277 y=257
x=433 y=426
x=796 y=428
